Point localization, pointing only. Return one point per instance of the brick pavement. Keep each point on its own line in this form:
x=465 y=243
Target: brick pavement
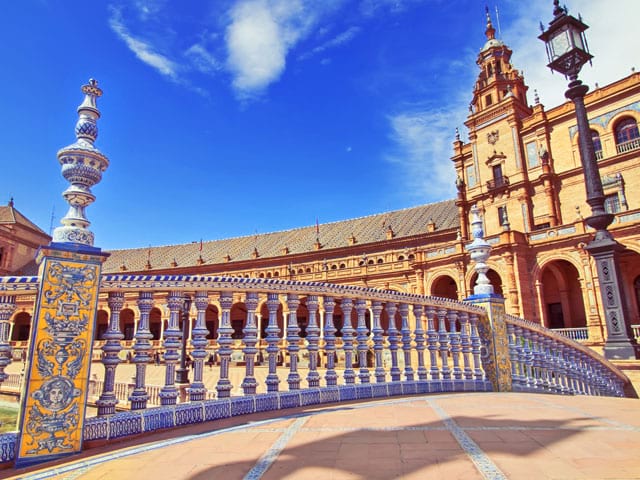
x=465 y=436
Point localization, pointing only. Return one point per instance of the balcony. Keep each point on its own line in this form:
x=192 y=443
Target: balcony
x=628 y=146
x=498 y=183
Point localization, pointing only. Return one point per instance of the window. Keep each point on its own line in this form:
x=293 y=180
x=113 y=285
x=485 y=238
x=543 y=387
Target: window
x=612 y=203
x=627 y=135
x=497 y=173
x=532 y=154
x=488 y=100
x=1 y=255
x=597 y=144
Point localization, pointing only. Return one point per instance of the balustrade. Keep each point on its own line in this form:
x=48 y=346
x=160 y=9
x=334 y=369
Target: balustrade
x=541 y=361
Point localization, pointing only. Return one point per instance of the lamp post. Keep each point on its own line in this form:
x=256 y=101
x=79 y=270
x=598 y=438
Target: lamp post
x=182 y=373
x=567 y=51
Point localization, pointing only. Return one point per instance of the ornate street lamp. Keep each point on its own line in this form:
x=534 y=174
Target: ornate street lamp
x=568 y=51
x=182 y=373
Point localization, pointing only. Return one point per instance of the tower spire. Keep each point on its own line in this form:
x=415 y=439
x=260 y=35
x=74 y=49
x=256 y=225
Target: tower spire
x=82 y=166
x=490 y=32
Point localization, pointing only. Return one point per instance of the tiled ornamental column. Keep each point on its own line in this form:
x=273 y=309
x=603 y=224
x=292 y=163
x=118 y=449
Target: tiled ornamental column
x=378 y=342
x=250 y=338
x=7 y=307
x=392 y=334
x=197 y=391
x=313 y=377
x=225 y=341
x=142 y=349
x=293 y=337
x=420 y=341
x=331 y=377
x=111 y=348
x=272 y=330
x=169 y=393
x=406 y=341
x=347 y=340
x=363 y=340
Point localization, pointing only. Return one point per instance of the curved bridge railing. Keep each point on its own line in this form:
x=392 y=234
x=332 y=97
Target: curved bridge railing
x=359 y=343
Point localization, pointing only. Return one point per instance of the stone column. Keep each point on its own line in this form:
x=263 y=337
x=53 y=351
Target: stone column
x=224 y=345
x=392 y=335
x=331 y=377
x=405 y=332
x=363 y=339
x=172 y=334
x=272 y=330
x=313 y=377
x=197 y=391
x=347 y=340
x=142 y=349
x=111 y=348
x=250 y=338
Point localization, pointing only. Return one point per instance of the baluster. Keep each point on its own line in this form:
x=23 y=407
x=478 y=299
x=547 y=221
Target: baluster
x=520 y=355
x=142 y=349
x=224 y=342
x=432 y=339
x=535 y=361
x=378 y=341
x=272 y=330
x=347 y=340
x=572 y=371
x=363 y=340
x=513 y=355
x=475 y=347
x=250 y=338
x=443 y=339
x=527 y=364
x=466 y=345
x=7 y=307
x=293 y=338
x=406 y=341
x=330 y=377
x=552 y=366
x=172 y=335
x=584 y=374
x=456 y=346
x=392 y=335
x=541 y=355
x=197 y=391
x=563 y=367
x=313 y=331
x=420 y=341
x=108 y=400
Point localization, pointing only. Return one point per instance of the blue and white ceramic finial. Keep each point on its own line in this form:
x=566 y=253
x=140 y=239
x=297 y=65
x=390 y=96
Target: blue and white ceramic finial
x=479 y=249
x=82 y=166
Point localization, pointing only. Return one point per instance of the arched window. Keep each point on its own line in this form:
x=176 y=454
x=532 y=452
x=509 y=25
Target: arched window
x=627 y=135
x=597 y=144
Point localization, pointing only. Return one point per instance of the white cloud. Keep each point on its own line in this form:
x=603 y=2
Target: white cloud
x=422 y=141
x=143 y=50
x=261 y=34
x=340 y=39
x=202 y=60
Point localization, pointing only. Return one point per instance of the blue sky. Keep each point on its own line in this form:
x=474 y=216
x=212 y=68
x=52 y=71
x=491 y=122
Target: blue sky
x=222 y=118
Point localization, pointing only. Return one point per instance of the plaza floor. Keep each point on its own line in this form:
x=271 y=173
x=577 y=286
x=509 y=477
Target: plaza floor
x=452 y=436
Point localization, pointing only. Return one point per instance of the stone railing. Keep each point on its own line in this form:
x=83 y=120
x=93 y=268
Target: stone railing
x=545 y=361
x=391 y=344
x=581 y=333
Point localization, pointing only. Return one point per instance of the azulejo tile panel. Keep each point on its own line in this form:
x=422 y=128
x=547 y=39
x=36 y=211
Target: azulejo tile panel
x=189 y=413
x=53 y=414
x=124 y=425
x=243 y=405
x=289 y=399
x=217 y=409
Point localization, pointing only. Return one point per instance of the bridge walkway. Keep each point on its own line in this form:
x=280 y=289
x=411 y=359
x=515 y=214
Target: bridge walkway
x=466 y=436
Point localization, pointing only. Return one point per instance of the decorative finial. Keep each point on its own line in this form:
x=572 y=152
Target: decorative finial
x=557 y=9
x=536 y=98
x=10 y=202
x=490 y=32
x=82 y=166
x=479 y=250
x=457 y=135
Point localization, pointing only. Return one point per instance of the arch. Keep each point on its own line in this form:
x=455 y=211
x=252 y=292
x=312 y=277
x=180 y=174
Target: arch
x=238 y=317
x=21 y=327
x=597 y=143
x=102 y=323
x=127 y=323
x=494 y=279
x=155 y=323
x=343 y=266
x=562 y=299
x=302 y=316
x=444 y=286
x=626 y=134
x=380 y=260
x=211 y=320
